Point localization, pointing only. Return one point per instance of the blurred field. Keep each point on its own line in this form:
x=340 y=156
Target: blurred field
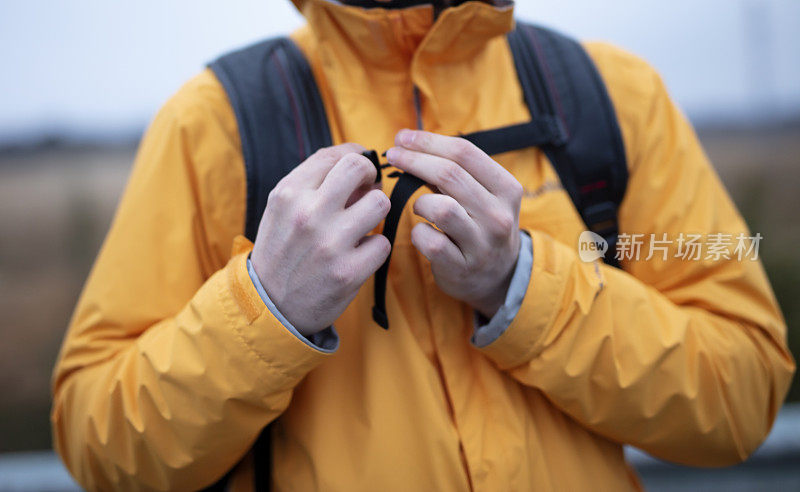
x=56 y=203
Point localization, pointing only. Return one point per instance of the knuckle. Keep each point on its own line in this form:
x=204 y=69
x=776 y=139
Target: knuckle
x=477 y=265
x=353 y=147
x=349 y=160
x=465 y=276
x=424 y=140
x=501 y=224
x=447 y=213
x=437 y=247
x=351 y=229
x=463 y=150
x=515 y=191
x=355 y=165
x=325 y=154
x=327 y=252
x=301 y=218
x=449 y=174
x=273 y=198
x=359 y=164
x=342 y=276
x=281 y=195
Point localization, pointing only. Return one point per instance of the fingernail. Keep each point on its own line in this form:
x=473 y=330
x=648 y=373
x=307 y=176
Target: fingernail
x=406 y=137
x=391 y=154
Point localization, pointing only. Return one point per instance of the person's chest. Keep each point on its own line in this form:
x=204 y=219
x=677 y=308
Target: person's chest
x=369 y=106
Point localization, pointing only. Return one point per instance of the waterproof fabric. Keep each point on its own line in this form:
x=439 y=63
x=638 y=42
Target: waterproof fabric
x=172 y=364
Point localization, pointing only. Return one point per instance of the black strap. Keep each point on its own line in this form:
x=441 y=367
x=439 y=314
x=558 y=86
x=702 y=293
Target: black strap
x=281 y=121
x=541 y=130
x=405 y=186
x=559 y=79
x=279 y=112
x=262 y=460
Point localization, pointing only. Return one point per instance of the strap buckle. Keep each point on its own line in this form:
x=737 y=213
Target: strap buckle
x=601 y=218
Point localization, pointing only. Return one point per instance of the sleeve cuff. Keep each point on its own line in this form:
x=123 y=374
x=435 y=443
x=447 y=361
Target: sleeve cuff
x=554 y=266
x=284 y=359
x=486 y=333
x=326 y=340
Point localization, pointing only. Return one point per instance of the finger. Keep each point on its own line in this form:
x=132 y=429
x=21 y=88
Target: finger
x=311 y=172
x=370 y=254
x=451 y=218
x=365 y=214
x=436 y=246
x=446 y=175
x=348 y=175
x=360 y=192
x=476 y=162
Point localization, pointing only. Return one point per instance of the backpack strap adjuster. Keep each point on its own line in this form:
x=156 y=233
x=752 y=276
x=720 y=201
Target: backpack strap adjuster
x=601 y=218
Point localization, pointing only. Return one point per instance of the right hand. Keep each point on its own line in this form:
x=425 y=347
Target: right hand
x=312 y=252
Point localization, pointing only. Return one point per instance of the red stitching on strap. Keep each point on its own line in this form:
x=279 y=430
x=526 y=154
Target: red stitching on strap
x=293 y=102
x=534 y=39
x=594 y=186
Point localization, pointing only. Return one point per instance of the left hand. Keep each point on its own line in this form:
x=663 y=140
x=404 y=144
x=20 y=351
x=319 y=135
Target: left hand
x=475 y=248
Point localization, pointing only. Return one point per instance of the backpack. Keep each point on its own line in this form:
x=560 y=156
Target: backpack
x=282 y=121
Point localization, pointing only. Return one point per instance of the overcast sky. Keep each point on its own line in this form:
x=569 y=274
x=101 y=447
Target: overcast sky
x=100 y=69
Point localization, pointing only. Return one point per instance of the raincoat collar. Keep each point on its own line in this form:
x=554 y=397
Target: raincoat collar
x=395 y=38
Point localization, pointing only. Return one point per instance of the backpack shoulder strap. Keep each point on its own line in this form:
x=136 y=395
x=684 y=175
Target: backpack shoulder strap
x=281 y=121
x=560 y=80
x=279 y=113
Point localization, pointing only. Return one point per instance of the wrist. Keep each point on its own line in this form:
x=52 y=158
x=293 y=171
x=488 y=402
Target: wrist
x=492 y=303
x=284 y=311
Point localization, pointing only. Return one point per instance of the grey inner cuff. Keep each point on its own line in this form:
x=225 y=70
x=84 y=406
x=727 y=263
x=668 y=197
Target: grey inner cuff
x=326 y=340
x=486 y=333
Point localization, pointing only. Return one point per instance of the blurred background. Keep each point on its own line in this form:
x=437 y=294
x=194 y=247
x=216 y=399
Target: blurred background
x=81 y=79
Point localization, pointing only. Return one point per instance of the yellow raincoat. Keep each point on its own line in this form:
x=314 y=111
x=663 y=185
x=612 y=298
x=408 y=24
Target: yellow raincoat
x=172 y=364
